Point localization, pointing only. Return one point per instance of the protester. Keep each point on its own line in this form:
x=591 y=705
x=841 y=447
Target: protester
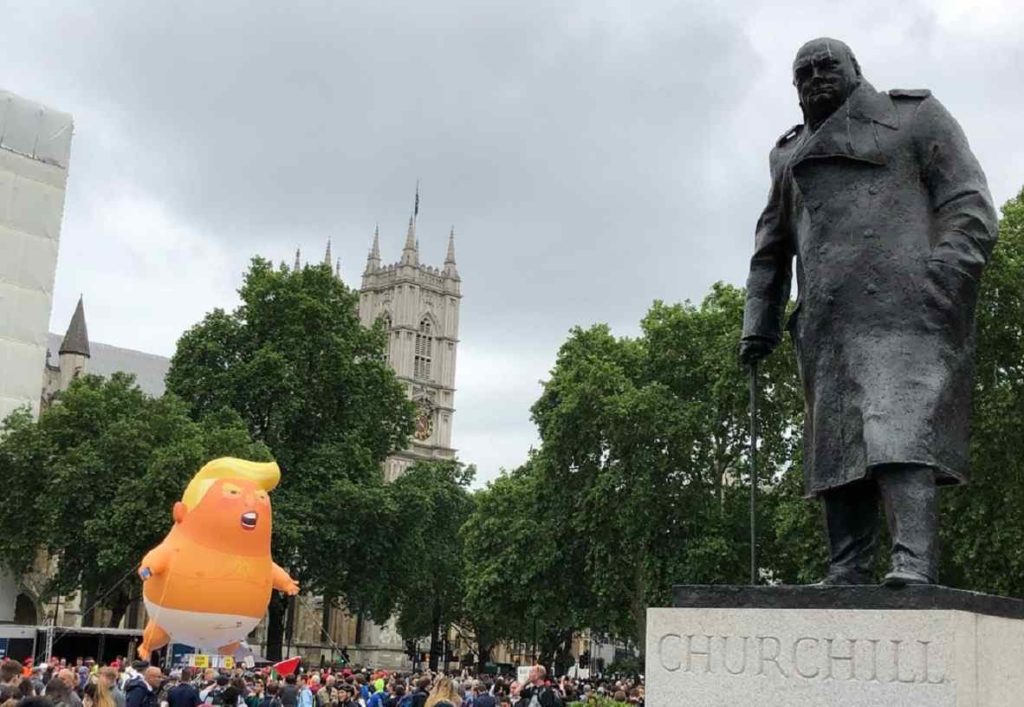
x=38 y=677
x=482 y=696
x=108 y=676
x=231 y=697
x=8 y=696
x=444 y=695
x=347 y=696
x=184 y=694
x=58 y=692
x=11 y=673
x=82 y=673
x=26 y=689
x=327 y=695
x=96 y=694
x=379 y=697
x=319 y=687
x=364 y=690
x=419 y=698
x=215 y=693
x=241 y=688
x=270 y=697
x=305 y=694
x=290 y=691
x=538 y=692
x=70 y=679
x=141 y=691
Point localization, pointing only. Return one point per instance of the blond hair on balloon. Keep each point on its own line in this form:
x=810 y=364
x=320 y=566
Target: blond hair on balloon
x=266 y=475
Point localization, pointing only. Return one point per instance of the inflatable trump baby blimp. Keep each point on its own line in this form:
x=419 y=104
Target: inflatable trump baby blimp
x=208 y=583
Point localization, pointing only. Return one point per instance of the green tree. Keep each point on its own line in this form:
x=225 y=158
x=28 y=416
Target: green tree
x=650 y=438
x=93 y=482
x=432 y=502
x=524 y=567
x=644 y=446
x=983 y=522
x=310 y=382
x=692 y=351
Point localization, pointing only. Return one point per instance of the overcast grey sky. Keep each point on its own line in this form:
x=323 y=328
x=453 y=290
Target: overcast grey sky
x=592 y=155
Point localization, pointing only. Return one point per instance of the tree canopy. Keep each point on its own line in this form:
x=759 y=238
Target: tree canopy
x=312 y=384
x=641 y=478
x=432 y=501
x=639 y=482
x=93 y=482
x=983 y=522
x=644 y=450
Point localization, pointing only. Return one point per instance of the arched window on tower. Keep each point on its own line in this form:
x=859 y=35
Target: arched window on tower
x=385 y=322
x=424 y=350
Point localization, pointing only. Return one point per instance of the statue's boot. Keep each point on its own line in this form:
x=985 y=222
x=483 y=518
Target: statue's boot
x=911 y=509
x=851 y=519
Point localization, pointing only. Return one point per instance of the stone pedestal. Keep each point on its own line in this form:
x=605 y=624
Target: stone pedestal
x=849 y=646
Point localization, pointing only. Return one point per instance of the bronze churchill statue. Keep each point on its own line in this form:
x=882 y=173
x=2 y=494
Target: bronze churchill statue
x=888 y=217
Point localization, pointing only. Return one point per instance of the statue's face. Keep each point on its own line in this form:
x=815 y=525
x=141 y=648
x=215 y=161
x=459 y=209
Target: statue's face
x=825 y=74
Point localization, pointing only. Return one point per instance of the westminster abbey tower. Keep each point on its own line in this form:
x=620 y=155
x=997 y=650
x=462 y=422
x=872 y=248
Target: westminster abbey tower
x=419 y=305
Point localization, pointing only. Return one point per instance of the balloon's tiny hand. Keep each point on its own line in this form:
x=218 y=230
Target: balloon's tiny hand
x=145 y=573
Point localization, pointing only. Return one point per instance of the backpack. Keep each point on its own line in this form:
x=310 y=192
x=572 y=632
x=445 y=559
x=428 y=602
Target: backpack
x=216 y=696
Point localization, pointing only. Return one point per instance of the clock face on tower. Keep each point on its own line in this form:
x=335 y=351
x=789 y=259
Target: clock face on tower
x=424 y=424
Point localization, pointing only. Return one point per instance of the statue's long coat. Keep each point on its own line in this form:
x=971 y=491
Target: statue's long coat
x=890 y=220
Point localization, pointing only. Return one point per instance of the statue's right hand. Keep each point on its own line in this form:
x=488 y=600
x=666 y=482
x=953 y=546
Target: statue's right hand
x=754 y=349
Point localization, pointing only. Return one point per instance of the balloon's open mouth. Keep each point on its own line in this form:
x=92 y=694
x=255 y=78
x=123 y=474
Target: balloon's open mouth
x=249 y=520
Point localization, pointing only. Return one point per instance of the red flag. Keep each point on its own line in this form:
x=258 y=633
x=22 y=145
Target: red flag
x=287 y=667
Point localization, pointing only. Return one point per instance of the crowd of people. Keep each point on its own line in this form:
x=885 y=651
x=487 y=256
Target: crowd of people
x=87 y=684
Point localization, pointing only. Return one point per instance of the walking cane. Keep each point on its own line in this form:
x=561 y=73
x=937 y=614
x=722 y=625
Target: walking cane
x=753 y=472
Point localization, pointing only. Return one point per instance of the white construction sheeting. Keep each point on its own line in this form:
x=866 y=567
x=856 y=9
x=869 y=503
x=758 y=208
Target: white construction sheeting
x=35 y=144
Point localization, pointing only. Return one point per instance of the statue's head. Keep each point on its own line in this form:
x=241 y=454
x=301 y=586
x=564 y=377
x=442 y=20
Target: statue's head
x=825 y=73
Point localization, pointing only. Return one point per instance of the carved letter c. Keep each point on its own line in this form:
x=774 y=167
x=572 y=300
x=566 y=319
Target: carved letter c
x=796 y=658
x=661 y=652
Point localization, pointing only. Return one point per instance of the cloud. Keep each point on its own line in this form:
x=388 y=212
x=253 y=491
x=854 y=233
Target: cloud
x=592 y=155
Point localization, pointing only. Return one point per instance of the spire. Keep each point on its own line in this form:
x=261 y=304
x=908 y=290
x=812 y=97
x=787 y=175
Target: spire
x=410 y=235
x=76 y=340
x=298 y=265
x=337 y=269
x=327 y=255
x=449 y=259
x=373 y=259
x=410 y=253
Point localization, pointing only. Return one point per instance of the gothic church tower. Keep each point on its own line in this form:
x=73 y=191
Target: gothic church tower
x=419 y=305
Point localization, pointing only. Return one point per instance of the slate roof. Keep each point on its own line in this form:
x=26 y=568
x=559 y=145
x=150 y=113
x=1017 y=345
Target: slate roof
x=149 y=369
x=76 y=340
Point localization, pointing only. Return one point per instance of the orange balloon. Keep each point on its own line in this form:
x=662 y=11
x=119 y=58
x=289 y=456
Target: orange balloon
x=209 y=582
